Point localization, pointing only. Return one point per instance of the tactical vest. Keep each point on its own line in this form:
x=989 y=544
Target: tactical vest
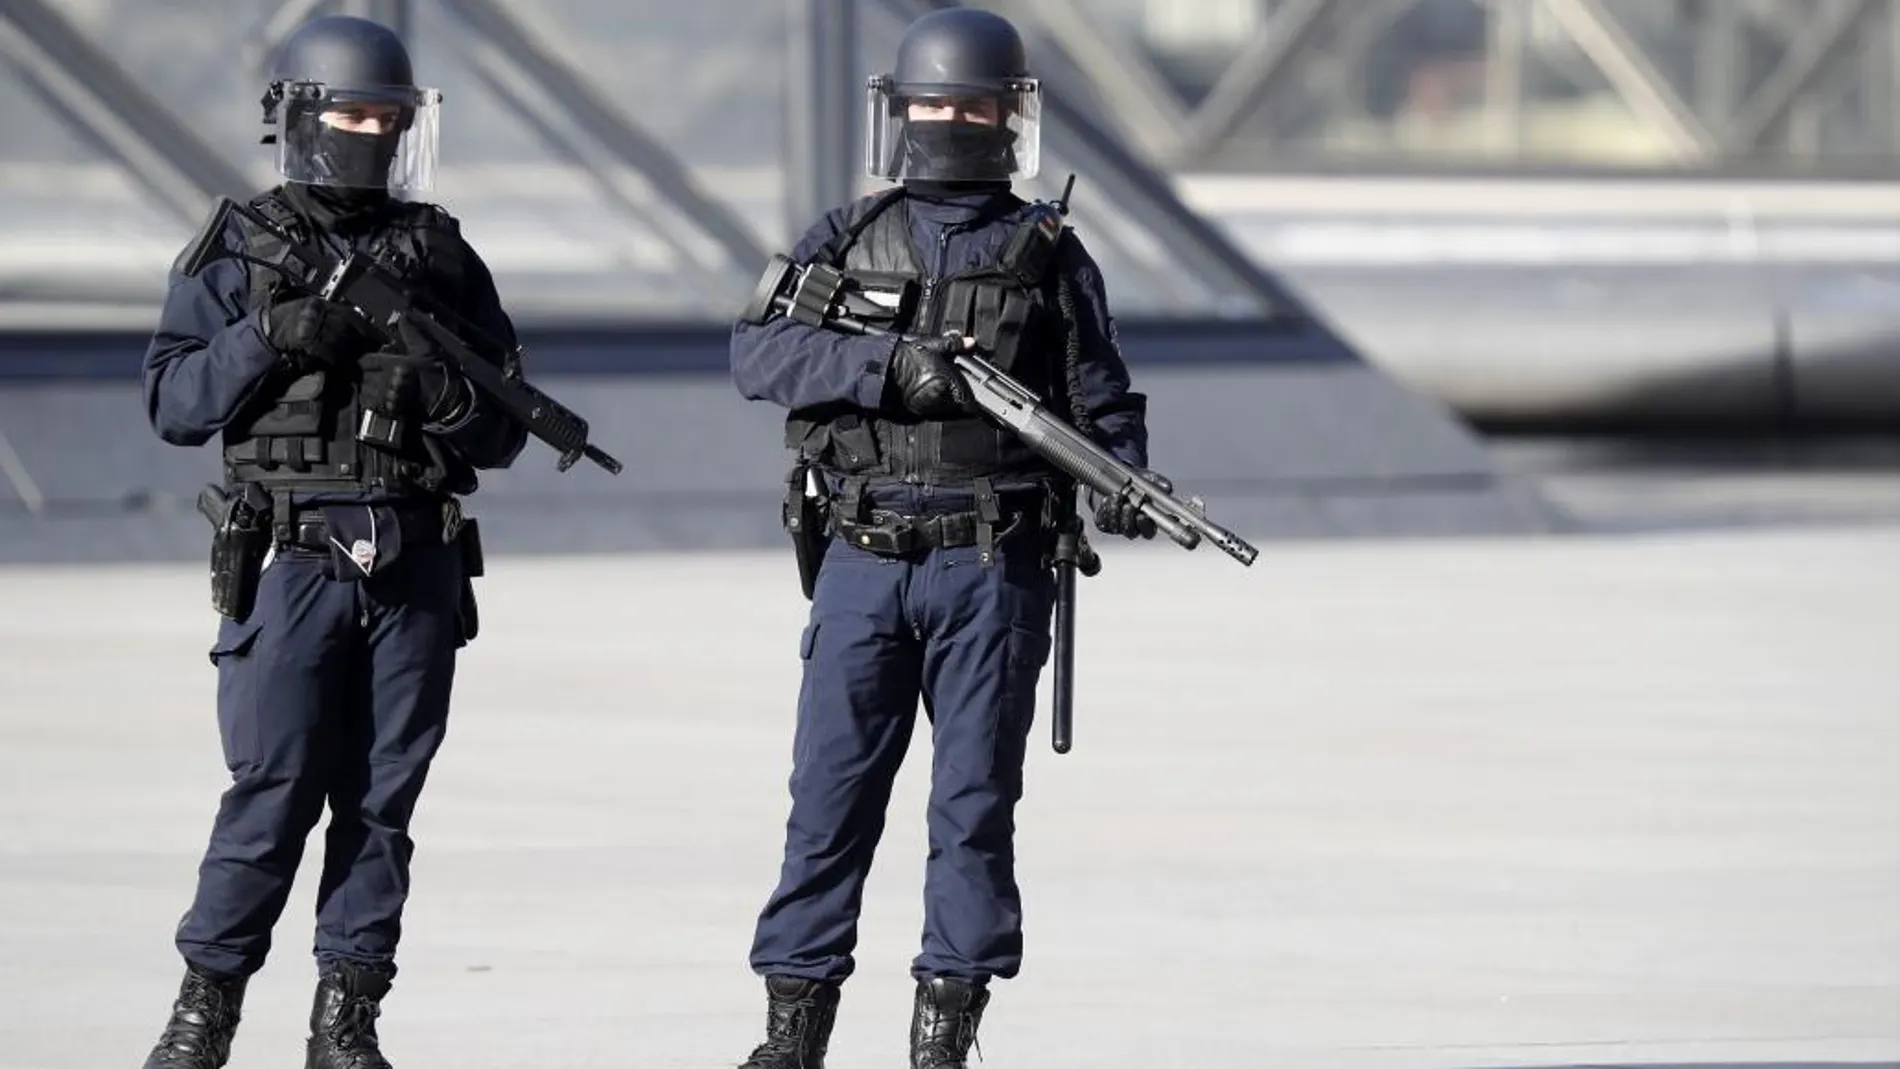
x=302 y=438
x=1009 y=306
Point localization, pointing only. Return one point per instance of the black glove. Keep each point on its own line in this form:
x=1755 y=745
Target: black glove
x=406 y=388
x=443 y=391
x=926 y=380
x=389 y=385
x=1117 y=515
x=310 y=332
x=417 y=381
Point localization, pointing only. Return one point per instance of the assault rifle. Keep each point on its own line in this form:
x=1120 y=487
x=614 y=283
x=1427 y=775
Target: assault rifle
x=383 y=299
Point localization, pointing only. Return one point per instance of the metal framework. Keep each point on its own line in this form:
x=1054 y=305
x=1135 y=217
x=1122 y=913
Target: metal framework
x=1633 y=76
x=78 y=80
x=1818 y=51
x=1141 y=192
x=606 y=124
x=1111 y=112
x=1716 y=123
x=821 y=107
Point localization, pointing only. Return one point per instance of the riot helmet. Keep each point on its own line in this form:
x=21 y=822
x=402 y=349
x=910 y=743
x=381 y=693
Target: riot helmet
x=348 y=111
x=959 y=104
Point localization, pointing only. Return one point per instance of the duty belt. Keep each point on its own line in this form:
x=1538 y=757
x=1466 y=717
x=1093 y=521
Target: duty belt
x=421 y=522
x=895 y=533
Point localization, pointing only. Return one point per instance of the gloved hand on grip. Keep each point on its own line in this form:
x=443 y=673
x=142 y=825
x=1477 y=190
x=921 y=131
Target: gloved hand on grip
x=1117 y=515
x=417 y=381
x=310 y=332
x=443 y=390
x=927 y=382
x=389 y=385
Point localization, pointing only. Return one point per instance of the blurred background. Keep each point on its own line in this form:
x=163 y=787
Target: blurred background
x=1385 y=266
x=1548 y=349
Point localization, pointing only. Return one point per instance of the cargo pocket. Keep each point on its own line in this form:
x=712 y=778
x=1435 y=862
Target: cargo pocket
x=234 y=653
x=235 y=639
x=1027 y=652
x=801 y=737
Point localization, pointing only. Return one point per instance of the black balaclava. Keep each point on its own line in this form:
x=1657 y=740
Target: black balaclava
x=337 y=208
x=952 y=150
x=360 y=159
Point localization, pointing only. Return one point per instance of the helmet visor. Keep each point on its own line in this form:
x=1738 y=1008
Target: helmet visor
x=953 y=133
x=376 y=137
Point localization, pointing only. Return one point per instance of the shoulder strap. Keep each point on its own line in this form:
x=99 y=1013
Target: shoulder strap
x=886 y=245
x=267 y=246
x=832 y=252
x=422 y=243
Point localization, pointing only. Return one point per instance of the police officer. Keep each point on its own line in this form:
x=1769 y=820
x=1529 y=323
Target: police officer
x=936 y=583
x=334 y=679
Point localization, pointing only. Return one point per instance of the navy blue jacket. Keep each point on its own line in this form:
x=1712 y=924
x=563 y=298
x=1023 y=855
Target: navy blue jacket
x=208 y=357
x=795 y=365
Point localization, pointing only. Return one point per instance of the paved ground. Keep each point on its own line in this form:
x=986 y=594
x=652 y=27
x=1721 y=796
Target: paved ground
x=1425 y=806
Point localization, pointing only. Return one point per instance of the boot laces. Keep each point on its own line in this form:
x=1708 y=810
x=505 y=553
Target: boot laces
x=199 y=1012
x=945 y=1048
x=354 y=1034
x=787 y=1022
x=942 y=1054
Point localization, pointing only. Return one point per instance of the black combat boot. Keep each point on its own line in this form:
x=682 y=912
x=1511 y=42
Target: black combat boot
x=204 y=1018
x=943 y=1022
x=798 y=1019
x=343 y=1018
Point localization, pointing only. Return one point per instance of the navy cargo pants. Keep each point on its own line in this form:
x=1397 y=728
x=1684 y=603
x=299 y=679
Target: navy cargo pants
x=971 y=641
x=331 y=691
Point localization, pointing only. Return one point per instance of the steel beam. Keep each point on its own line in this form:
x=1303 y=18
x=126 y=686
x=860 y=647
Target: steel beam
x=1813 y=54
x=1353 y=36
x=484 y=60
x=17 y=476
x=160 y=152
x=1504 y=74
x=1893 y=80
x=586 y=106
x=1718 y=51
x=1250 y=79
x=1633 y=77
x=261 y=41
x=1875 y=81
x=823 y=111
x=1144 y=104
